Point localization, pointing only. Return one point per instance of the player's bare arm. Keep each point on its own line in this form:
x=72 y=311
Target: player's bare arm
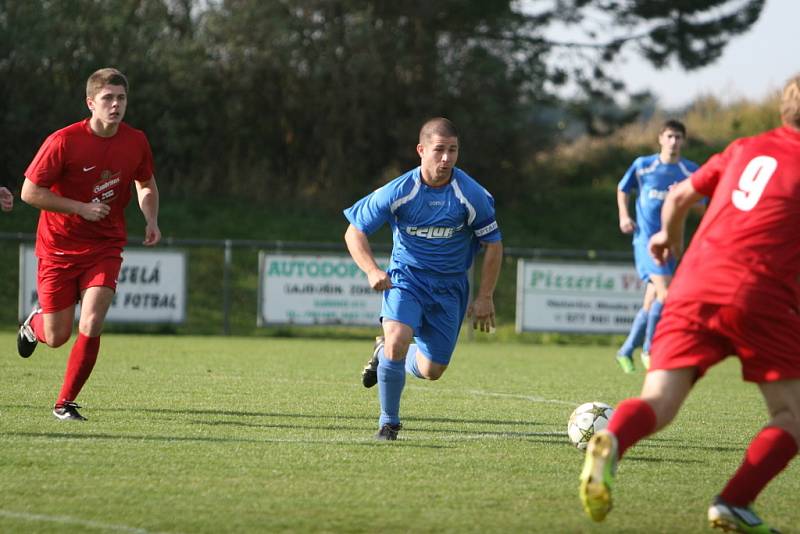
x=669 y=241
x=358 y=246
x=481 y=310
x=147 y=194
x=6 y=199
x=44 y=199
x=626 y=223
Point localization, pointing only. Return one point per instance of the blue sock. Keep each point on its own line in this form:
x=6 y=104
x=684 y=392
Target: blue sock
x=411 y=361
x=652 y=321
x=391 y=380
x=636 y=335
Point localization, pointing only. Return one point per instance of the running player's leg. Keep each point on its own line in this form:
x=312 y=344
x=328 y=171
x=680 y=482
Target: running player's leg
x=768 y=347
x=56 y=327
x=401 y=315
x=437 y=311
x=660 y=283
x=438 y=334
x=773 y=447
x=644 y=267
x=83 y=356
x=768 y=455
x=638 y=326
x=637 y=332
x=98 y=285
x=662 y=395
x=392 y=375
x=683 y=350
x=51 y=322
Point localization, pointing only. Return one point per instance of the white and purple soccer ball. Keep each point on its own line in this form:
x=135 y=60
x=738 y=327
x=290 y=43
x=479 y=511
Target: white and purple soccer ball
x=587 y=419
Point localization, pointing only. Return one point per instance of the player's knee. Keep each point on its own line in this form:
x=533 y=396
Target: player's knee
x=91 y=326
x=431 y=371
x=57 y=337
x=395 y=351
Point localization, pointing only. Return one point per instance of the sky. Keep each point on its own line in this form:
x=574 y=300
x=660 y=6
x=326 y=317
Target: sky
x=752 y=65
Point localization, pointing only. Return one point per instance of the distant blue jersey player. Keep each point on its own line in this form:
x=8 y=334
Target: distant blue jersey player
x=651 y=177
x=439 y=217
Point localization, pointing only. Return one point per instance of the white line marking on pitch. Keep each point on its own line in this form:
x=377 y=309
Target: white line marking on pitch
x=72 y=521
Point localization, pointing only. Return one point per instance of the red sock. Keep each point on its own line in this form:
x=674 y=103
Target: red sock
x=632 y=420
x=768 y=454
x=79 y=367
x=37 y=324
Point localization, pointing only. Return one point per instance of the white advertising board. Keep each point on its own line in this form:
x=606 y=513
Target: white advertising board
x=574 y=297
x=151 y=287
x=315 y=290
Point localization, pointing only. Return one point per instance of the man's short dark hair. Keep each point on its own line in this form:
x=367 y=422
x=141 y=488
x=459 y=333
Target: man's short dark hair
x=103 y=77
x=437 y=126
x=675 y=125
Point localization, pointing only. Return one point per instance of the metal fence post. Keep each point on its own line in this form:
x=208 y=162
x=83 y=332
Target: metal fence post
x=226 y=287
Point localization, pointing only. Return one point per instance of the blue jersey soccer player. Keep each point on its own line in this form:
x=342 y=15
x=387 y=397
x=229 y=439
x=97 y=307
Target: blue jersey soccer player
x=652 y=177
x=439 y=217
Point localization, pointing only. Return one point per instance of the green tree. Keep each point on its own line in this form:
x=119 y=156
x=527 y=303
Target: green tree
x=301 y=102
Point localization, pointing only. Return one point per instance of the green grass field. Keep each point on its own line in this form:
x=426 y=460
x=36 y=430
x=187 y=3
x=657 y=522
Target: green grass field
x=210 y=434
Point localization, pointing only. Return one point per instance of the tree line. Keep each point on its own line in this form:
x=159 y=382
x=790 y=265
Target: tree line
x=315 y=102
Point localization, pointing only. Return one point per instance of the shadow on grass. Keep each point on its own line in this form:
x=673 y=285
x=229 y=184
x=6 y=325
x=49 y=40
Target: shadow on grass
x=370 y=417
x=552 y=438
x=662 y=443
x=216 y=420
x=476 y=432
x=651 y=460
x=241 y=413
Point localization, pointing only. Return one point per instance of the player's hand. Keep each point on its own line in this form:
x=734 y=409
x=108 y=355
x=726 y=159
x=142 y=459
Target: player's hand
x=662 y=248
x=481 y=311
x=627 y=225
x=379 y=280
x=6 y=199
x=94 y=211
x=152 y=235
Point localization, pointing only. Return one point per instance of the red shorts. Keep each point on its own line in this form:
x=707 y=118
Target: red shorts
x=697 y=334
x=60 y=284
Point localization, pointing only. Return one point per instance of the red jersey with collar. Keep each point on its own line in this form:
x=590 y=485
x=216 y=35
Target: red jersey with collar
x=78 y=164
x=746 y=251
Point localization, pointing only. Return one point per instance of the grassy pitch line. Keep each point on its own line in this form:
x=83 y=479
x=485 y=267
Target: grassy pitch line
x=66 y=520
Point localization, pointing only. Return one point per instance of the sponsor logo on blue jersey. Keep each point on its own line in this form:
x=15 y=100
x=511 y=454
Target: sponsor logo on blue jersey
x=433 y=232
x=657 y=194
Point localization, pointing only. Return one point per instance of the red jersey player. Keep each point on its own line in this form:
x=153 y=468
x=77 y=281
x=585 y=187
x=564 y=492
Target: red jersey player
x=737 y=291
x=81 y=181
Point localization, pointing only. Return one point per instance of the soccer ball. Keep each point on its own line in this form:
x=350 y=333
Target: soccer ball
x=587 y=419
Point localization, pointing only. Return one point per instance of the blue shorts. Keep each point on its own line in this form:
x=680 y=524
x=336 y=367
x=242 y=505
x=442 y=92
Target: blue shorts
x=433 y=305
x=645 y=265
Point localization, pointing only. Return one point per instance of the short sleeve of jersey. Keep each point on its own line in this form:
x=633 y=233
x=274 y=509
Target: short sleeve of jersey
x=145 y=170
x=628 y=181
x=372 y=211
x=485 y=224
x=47 y=166
x=705 y=179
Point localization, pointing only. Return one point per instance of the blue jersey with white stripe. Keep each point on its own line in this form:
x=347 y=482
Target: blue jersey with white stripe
x=652 y=178
x=437 y=229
